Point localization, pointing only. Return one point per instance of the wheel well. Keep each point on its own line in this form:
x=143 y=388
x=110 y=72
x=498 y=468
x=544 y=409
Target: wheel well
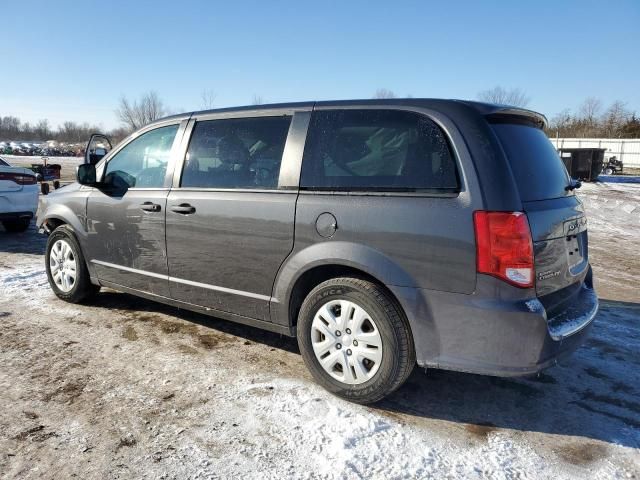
x=53 y=223
x=315 y=276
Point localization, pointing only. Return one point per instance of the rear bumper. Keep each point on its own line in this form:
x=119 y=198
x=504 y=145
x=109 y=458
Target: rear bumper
x=20 y=202
x=499 y=330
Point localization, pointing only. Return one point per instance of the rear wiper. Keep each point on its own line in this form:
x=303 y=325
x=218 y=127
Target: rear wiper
x=573 y=184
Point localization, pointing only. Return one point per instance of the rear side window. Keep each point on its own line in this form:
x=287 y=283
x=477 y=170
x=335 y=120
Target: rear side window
x=236 y=153
x=536 y=166
x=382 y=150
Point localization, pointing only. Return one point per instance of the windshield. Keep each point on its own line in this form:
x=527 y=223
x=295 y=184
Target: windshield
x=537 y=167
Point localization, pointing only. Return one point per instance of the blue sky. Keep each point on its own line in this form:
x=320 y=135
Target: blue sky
x=73 y=60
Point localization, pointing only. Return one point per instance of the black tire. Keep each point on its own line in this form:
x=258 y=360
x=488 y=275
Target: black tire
x=56 y=184
x=44 y=188
x=398 y=353
x=16 y=226
x=82 y=287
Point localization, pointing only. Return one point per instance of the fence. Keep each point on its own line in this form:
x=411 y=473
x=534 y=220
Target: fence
x=625 y=149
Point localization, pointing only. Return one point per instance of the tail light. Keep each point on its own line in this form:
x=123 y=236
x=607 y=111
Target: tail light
x=504 y=246
x=19 y=178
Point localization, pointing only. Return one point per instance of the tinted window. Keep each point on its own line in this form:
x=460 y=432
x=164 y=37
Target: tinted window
x=536 y=166
x=377 y=149
x=236 y=153
x=143 y=162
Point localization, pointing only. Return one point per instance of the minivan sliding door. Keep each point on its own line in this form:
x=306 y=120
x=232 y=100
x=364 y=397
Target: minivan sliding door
x=230 y=214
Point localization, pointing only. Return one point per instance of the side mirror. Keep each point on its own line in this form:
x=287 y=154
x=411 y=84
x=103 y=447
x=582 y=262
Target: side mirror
x=97 y=147
x=86 y=174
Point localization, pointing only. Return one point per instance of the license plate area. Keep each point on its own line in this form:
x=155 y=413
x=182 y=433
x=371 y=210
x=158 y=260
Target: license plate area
x=575 y=235
x=575 y=255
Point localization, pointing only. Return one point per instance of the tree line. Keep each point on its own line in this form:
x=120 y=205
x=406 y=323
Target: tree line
x=592 y=119
x=13 y=129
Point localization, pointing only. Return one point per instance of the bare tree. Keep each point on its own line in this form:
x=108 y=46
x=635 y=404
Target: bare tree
x=139 y=113
x=384 y=93
x=561 y=123
x=614 y=118
x=208 y=98
x=74 y=132
x=257 y=99
x=9 y=127
x=590 y=110
x=503 y=96
x=42 y=130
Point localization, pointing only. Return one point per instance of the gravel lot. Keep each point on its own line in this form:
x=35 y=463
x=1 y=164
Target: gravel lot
x=126 y=388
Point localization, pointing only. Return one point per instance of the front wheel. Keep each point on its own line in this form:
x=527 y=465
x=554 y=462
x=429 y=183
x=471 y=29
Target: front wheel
x=608 y=171
x=66 y=268
x=355 y=339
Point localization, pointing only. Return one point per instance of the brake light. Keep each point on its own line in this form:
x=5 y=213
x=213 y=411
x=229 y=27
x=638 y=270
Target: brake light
x=19 y=178
x=504 y=246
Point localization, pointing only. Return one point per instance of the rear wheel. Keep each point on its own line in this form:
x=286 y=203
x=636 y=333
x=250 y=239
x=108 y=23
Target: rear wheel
x=66 y=268
x=14 y=226
x=355 y=339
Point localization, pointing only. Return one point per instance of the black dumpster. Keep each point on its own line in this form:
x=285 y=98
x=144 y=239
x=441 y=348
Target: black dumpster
x=583 y=163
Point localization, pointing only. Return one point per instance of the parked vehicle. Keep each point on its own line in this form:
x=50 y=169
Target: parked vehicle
x=382 y=233
x=18 y=197
x=612 y=166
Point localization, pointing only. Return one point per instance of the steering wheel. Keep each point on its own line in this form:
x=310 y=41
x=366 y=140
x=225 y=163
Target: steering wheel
x=120 y=180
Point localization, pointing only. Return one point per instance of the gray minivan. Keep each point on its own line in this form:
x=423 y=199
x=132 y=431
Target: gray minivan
x=383 y=233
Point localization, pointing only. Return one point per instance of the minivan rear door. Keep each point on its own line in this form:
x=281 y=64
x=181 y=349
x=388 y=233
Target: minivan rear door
x=556 y=215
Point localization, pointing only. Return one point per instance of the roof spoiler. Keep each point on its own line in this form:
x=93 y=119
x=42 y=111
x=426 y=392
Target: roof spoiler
x=511 y=114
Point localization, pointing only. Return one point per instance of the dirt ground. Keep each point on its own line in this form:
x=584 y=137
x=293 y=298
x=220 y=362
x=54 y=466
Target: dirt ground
x=125 y=388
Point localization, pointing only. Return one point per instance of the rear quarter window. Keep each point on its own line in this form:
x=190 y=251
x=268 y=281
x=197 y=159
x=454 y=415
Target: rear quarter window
x=538 y=170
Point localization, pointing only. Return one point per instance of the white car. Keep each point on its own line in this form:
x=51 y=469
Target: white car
x=18 y=197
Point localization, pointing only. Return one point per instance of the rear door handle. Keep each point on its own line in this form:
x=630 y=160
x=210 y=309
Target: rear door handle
x=183 y=208
x=150 y=207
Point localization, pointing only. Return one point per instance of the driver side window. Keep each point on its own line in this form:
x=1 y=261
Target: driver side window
x=143 y=162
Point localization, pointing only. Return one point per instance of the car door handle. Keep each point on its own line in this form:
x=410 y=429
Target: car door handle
x=183 y=208
x=150 y=207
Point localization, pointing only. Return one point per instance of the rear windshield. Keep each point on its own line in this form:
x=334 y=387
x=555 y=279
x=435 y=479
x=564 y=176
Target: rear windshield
x=538 y=170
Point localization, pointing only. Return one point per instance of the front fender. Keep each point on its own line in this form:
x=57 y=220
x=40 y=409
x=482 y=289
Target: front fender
x=63 y=214
x=70 y=207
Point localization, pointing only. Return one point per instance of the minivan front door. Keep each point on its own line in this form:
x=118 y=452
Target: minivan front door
x=126 y=214
x=229 y=219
